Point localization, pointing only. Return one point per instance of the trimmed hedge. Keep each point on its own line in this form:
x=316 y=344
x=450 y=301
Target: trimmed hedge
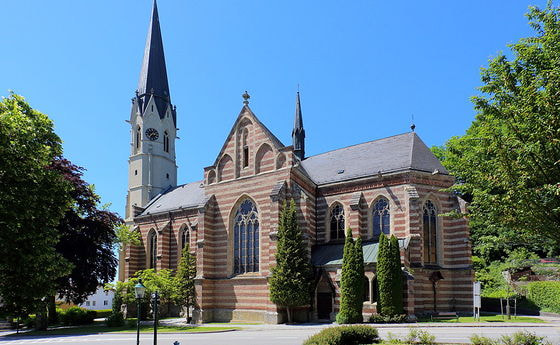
x=345 y=335
x=75 y=316
x=399 y=318
x=103 y=313
x=545 y=295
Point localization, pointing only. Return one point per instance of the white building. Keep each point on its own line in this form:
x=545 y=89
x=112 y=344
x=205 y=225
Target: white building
x=99 y=300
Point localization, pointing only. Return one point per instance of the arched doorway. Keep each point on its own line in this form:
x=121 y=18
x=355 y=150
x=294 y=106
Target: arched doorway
x=324 y=299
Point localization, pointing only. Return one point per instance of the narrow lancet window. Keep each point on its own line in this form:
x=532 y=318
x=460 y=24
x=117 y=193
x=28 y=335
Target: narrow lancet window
x=429 y=220
x=152 y=242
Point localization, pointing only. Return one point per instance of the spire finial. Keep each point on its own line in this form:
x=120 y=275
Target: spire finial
x=246 y=98
x=412 y=126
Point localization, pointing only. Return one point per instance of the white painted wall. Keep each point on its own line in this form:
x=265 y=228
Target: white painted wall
x=99 y=300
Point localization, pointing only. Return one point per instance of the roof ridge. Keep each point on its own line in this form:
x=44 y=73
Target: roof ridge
x=411 y=153
x=365 y=142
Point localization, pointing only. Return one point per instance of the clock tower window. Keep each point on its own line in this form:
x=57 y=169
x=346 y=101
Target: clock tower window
x=165 y=141
x=138 y=137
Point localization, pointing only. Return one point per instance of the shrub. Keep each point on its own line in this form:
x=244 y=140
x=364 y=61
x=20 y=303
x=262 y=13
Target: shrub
x=345 y=335
x=523 y=338
x=415 y=337
x=29 y=321
x=377 y=318
x=78 y=316
x=518 y=338
x=421 y=337
x=115 y=320
x=546 y=295
x=103 y=313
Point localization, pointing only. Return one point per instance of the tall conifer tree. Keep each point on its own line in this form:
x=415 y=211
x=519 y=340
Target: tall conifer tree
x=290 y=284
x=351 y=282
x=397 y=274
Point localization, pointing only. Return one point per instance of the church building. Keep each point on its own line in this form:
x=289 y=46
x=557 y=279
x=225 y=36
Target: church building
x=230 y=218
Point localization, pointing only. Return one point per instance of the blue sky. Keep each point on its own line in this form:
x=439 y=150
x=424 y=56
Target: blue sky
x=364 y=67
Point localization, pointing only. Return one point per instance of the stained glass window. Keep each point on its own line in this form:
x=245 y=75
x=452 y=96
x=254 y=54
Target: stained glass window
x=337 y=222
x=429 y=220
x=381 y=217
x=246 y=239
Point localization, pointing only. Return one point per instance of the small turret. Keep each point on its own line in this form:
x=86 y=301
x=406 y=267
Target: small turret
x=298 y=133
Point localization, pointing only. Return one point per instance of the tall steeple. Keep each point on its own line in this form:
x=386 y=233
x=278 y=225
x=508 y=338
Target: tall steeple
x=152 y=167
x=298 y=133
x=153 y=75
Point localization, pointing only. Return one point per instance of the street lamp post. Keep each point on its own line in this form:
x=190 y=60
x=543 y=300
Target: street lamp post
x=139 y=291
x=156 y=302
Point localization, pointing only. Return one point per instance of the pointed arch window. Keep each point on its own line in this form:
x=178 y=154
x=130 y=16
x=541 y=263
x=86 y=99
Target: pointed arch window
x=152 y=249
x=138 y=137
x=337 y=222
x=185 y=238
x=429 y=220
x=381 y=217
x=165 y=141
x=245 y=148
x=246 y=238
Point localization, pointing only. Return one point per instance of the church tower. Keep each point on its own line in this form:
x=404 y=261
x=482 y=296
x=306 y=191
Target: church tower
x=153 y=127
x=298 y=133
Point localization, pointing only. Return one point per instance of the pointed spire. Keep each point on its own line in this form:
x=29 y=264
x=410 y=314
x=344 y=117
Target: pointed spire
x=153 y=75
x=298 y=133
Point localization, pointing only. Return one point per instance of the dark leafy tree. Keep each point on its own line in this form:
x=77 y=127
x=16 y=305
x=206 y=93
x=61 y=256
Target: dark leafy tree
x=185 y=295
x=508 y=162
x=86 y=237
x=33 y=199
x=290 y=284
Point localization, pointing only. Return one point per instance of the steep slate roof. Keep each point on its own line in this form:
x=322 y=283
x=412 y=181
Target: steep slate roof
x=331 y=254
x=184 y=196
x=400 y=152
x=153 y=75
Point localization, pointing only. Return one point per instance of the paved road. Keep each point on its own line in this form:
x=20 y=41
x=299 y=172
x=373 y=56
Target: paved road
x=282 y=336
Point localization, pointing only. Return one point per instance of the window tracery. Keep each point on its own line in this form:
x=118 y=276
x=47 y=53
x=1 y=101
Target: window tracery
x=246 y=239
x=381 y=217
x=429 y=220
x=337 y=222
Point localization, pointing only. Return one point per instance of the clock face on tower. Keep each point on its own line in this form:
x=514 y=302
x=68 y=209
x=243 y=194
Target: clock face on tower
x=152 y=134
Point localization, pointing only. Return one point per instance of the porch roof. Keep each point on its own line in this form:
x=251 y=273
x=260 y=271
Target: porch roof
x=331 y=254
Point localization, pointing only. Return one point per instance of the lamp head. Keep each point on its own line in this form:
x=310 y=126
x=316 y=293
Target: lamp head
x=139 y=290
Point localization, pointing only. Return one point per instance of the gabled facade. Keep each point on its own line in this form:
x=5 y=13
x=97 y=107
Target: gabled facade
x=230 y=220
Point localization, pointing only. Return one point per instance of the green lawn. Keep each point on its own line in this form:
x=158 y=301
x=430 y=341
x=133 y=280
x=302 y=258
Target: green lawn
x=488 y=318
x=101 y=328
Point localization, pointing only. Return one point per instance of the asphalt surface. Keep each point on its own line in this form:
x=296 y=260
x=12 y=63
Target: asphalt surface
x=286 y=335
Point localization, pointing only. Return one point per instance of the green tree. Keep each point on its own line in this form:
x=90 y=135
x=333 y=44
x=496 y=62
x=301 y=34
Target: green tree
x=292 y=277
x=351 y=282
x=33 y=199
x=397 y=275
x=384 y=283
x=360 y=275
x=508 y=162
x=185 y=295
